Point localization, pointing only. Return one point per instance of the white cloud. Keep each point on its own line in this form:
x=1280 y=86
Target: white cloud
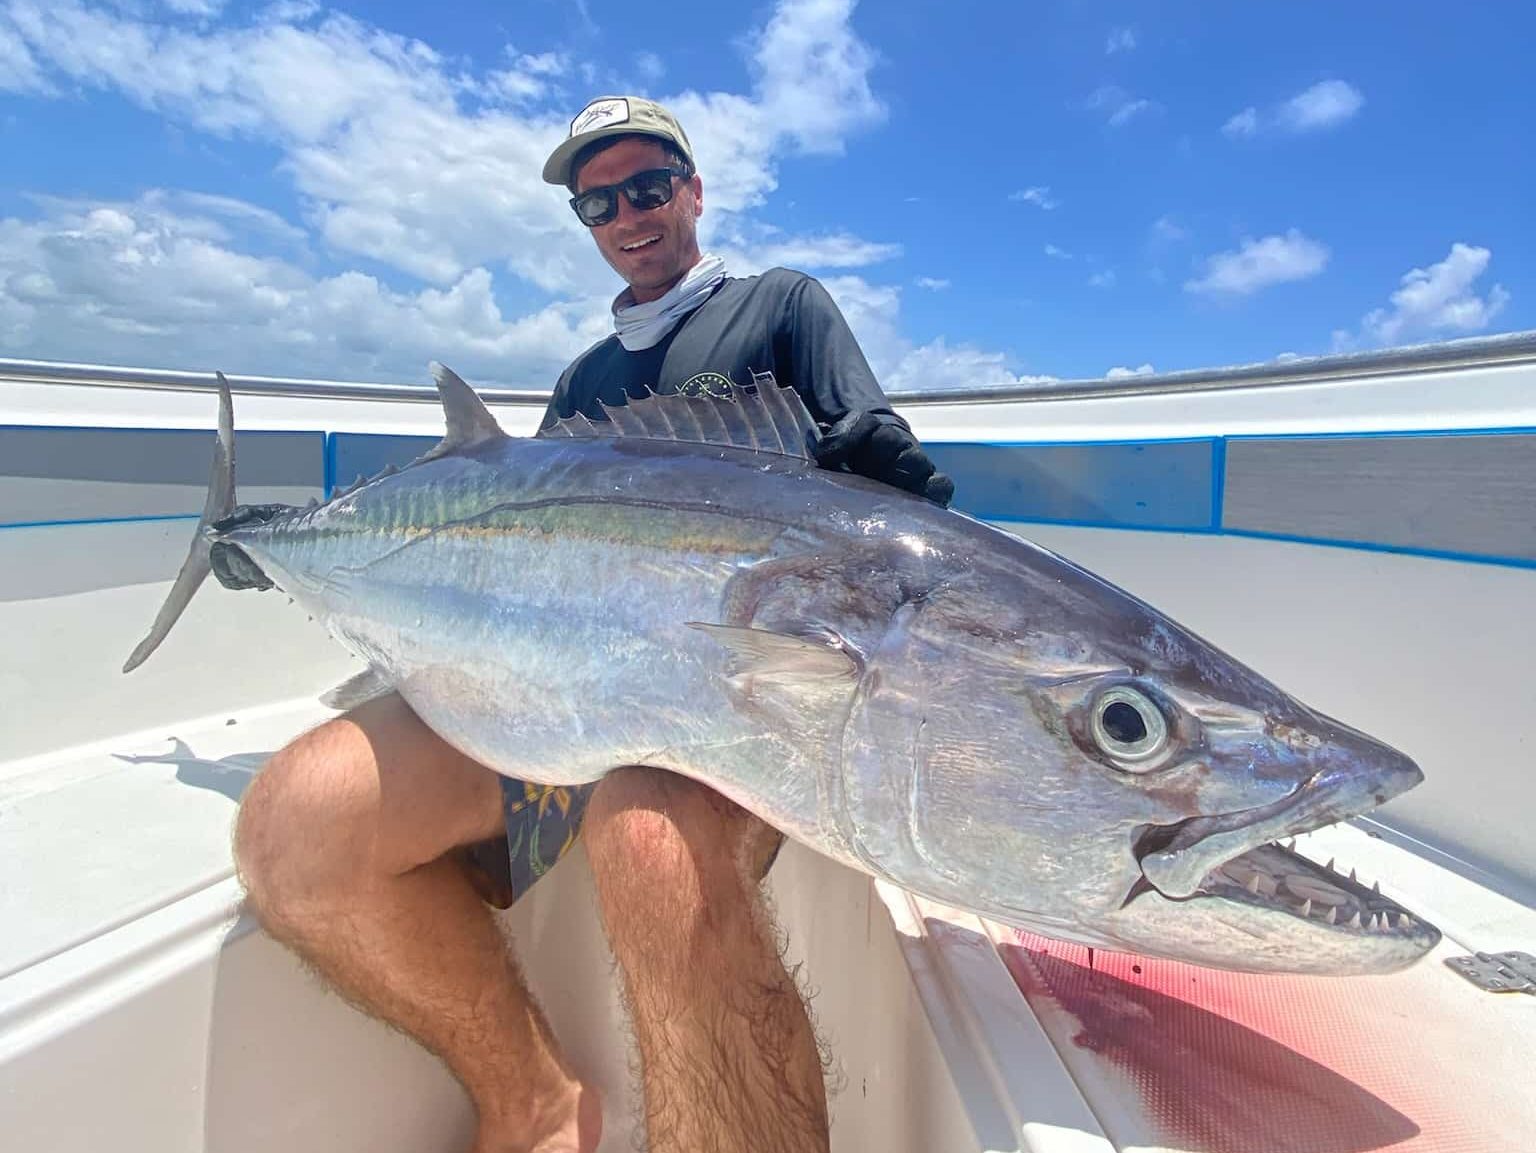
x=1245 y=123
x=1057 y=253
x=1167 y=230
x=290 y=11
x=650 y=66
x=1039 y=196
x=834 y=250
x=238 y=213
x=1105 y=279
x=1119 y=372
x=933 y=283
x=529 y=78
x=1123 y=114
x=813 y=75
x=1120 y=40
x=1438 y=300
x=1326 y=104
x=196 y=7
x=18 y=70
x=136 y=282
x=1261 y=263
x=873 y=312
x=394 y=163
x=1323 y=105
x=1120 y=105
x=402 y=156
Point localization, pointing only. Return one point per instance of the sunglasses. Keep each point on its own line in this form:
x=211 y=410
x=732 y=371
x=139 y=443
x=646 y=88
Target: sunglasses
x=644 y=190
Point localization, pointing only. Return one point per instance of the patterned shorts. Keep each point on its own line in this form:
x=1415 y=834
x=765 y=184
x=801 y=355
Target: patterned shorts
x=543 y=822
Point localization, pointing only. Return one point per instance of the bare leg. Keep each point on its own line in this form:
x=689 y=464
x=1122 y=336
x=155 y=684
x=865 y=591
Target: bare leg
x=341 y=843
x=728 y=1056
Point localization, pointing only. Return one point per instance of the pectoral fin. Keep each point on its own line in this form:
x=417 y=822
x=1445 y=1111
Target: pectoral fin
x=356 y=690
x=778 y=657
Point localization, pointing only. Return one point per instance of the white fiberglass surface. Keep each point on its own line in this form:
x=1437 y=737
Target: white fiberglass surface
x=75 y=599
x=110 y=832
x=1175 y=1058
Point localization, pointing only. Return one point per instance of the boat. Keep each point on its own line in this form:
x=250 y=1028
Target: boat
x=1361 y=529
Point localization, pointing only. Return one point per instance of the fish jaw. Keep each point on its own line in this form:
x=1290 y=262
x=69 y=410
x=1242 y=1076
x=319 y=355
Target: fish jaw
x=1351 y=775
x=1271 y=910
x=1218 y=891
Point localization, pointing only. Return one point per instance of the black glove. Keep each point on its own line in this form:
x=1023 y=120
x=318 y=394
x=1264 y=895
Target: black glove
x=884 y=452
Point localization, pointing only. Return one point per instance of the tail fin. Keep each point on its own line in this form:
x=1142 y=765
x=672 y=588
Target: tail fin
x=220 y=503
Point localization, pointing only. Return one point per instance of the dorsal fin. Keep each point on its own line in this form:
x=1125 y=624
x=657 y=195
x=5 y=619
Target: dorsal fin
x=470 y=423
x=765 y=418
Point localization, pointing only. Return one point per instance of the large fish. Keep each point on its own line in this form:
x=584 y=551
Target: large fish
x=896 y=685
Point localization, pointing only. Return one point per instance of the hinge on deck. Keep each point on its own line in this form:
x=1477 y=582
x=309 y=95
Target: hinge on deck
x=1512 y=972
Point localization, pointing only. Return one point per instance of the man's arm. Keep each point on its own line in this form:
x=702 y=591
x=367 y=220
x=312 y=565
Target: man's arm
x=861 y=432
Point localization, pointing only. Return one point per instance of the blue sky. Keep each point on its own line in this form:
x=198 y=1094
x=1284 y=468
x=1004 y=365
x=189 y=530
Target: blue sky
x=993 y=192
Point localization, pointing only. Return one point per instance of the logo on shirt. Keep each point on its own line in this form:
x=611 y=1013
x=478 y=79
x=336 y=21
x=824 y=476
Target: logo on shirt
x=710 y=384
x=600 y=112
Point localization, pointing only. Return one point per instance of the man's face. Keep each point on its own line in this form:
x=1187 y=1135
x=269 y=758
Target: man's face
x=650 y=250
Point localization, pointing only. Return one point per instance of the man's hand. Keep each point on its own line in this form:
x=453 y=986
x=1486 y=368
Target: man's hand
x=883 y=452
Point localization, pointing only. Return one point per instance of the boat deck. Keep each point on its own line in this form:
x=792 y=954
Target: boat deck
x=1112 y=1051
x=1050 y=1047
x=1358 y=531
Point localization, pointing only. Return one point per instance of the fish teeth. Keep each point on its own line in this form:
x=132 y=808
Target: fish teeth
x=1253 y=885
x=1333 y=914
x=1306 y=907
x=1352 y=875
x=1376 y=887
x=1329 y=866
x=1354 y=922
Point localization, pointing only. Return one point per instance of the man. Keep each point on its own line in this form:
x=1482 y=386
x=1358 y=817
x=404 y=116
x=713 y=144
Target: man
x=352 y=841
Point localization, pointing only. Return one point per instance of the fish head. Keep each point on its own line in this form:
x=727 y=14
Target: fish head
x=1043 y=748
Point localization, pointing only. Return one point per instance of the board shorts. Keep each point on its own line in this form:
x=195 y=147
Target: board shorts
x=543 y=822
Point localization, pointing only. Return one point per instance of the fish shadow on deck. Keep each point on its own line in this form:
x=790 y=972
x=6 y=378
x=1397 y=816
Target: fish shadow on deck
x=1202 y=1082
x=229 y=775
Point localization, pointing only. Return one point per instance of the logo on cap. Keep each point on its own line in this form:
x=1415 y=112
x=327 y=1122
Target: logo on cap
x=599 y=113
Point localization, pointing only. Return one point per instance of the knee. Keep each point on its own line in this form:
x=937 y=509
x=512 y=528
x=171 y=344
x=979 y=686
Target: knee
x=298 y=831
x=652 y=831
x=653 y=821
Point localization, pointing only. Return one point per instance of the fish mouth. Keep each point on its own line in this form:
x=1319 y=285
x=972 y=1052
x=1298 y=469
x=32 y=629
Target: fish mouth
x=1272 y=879
x=1234 y=859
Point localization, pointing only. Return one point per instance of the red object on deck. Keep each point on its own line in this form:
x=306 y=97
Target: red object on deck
x=1172 y=1056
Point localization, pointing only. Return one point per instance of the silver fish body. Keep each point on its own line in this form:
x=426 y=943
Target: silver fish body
x=902 y=688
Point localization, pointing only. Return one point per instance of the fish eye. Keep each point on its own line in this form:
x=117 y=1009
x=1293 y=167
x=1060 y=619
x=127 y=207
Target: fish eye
x=1129 y=727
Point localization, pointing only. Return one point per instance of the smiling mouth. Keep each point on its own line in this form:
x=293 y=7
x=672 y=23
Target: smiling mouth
x=637 y=245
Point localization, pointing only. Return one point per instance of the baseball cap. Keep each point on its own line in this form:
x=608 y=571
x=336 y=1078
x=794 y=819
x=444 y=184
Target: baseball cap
x=614 y=116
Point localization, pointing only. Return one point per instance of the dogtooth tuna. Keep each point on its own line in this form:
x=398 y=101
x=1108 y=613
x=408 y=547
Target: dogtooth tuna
x=901 y=687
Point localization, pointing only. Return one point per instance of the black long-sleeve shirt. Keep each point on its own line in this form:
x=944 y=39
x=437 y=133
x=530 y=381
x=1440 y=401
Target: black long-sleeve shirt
x=782 y=322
